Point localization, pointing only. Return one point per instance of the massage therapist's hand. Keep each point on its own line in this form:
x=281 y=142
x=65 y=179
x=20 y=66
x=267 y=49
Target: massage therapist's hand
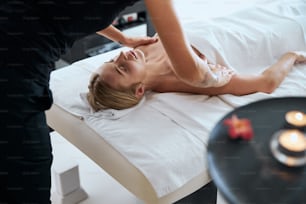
x=137 y=41
x=116 y=35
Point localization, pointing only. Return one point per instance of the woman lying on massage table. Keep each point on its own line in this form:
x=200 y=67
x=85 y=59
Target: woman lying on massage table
x=122 y=82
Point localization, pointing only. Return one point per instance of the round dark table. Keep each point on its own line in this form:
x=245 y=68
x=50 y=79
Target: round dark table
x=245 y=171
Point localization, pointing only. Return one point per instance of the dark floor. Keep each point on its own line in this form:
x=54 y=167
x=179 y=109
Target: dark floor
x=205 y=195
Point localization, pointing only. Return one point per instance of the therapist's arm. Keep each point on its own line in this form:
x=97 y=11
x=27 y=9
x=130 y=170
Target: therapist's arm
x=116 y=35
x=187 y=65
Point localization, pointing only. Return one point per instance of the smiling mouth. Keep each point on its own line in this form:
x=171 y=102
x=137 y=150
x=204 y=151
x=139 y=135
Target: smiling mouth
x=133 y=53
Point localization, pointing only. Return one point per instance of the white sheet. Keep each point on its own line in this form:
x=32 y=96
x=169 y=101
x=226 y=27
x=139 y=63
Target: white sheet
x=259 y=37
x=165 y=137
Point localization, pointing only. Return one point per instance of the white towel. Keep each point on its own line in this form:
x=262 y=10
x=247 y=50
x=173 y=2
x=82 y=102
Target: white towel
x=251 y=40
x=109 y=114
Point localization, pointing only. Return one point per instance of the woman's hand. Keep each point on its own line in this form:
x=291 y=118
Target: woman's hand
x=137 y=41
x=218 y=75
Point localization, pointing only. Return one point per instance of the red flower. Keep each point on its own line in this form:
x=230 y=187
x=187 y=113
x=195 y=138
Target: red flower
x=239 y=128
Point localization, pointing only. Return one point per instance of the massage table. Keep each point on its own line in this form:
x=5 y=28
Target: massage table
x=157 y=149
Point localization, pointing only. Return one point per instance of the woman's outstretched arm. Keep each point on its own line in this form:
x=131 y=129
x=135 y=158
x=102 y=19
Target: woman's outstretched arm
x=265 y=82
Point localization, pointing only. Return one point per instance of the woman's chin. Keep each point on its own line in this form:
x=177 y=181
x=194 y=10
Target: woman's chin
x=140 y=54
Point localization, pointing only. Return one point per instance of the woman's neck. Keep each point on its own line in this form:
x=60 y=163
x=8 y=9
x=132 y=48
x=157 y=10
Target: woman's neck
x=152 y=76
x=157 y=64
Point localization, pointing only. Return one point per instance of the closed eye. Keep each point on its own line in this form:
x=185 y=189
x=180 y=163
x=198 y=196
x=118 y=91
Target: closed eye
x=118 y=70
x=122 y=68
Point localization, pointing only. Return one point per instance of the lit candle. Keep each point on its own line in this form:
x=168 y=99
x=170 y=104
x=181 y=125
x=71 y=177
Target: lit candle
x=289 y=147
x=296 y=118
x=293 y=141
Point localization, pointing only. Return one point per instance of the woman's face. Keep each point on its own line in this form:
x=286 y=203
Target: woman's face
x=124 y=70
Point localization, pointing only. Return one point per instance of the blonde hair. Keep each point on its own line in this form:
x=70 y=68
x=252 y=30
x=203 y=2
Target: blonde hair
x=101 y=96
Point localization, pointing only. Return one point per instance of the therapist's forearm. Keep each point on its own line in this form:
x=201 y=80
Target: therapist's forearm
x=187 y=66
x=113 y=34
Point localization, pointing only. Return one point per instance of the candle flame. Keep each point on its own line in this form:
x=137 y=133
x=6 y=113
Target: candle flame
x=293 y=137
x=293 y=140
x=299 y=116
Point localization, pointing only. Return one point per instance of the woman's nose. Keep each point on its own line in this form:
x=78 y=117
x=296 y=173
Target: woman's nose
x=122 y=55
